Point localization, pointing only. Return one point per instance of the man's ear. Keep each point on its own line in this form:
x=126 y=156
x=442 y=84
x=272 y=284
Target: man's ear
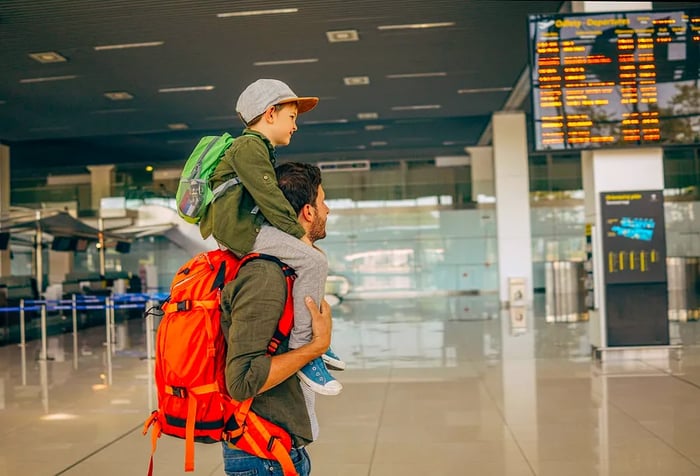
x=307 y=213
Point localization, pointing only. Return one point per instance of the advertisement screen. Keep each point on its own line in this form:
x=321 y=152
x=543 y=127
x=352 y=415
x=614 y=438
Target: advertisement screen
x=634 y=238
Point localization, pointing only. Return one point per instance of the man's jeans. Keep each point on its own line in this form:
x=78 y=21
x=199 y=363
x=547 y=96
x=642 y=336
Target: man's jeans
x=240 y=463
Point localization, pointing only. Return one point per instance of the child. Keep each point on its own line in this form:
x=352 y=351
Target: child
x=254 y=215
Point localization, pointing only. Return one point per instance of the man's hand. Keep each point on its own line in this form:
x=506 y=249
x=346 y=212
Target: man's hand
x=321 y=325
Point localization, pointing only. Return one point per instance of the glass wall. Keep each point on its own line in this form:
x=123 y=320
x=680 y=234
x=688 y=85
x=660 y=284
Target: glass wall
x=418 y=249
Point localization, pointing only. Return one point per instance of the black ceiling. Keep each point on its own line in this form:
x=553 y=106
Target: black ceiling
x=69 y=122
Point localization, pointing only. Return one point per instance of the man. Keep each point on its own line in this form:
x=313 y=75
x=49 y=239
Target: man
x=251 y=306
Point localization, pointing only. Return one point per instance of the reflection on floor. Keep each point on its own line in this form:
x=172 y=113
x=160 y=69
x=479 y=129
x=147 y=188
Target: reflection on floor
x=446 y=386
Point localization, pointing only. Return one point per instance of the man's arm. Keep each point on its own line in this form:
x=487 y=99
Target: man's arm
x=252 y=305
x=285 y=365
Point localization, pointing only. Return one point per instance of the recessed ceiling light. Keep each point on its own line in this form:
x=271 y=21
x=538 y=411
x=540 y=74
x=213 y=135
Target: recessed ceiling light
x=364 y=116
x=416 y=108
x=374 y=127
x=378 y=143
x=48 y=78
x=356 y=80
x=114 y=111
x=178 y=126
x=484 y=90
x=342 y=35
x=49 y=128
x=122 y=46
x=274 y=11
x=184 y=89
x=118 y=95
x=290 y=61
x=414 y=26
x=48 y=57
x=416 y=75
x=338 y=133
x=328 y=121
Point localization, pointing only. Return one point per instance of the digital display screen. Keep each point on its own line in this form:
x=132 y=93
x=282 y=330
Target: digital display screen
x=634 y=238
x=615 y=79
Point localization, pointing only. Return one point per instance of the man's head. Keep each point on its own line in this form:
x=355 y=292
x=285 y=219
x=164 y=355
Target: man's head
x=301 y=185
x=271 y=107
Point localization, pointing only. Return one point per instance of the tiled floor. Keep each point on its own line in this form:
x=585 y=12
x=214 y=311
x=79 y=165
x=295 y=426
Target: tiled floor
x=442 y=386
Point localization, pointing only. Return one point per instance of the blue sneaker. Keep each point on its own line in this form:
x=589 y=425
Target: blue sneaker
x=316 y=376
x=332 y=361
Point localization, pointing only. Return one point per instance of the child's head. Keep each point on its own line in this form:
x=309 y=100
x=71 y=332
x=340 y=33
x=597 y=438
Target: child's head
x=271 y=107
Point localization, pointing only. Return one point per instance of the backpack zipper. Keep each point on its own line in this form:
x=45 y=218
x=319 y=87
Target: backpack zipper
x=197 y=168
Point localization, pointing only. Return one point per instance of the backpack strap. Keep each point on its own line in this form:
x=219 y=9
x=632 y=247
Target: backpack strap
x=218 y=191
x=286 y=321
x=155 y=434
x=252 y=430
x=250 y=426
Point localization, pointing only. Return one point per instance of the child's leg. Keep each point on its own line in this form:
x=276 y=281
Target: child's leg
x=311 y=267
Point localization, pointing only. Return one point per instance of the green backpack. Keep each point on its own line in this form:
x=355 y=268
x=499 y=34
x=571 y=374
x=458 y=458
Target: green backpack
x=194 y=194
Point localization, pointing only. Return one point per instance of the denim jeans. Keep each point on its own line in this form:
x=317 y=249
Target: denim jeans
x=240 y=463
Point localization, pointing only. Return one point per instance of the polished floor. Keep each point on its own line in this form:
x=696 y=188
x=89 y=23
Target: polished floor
x=441 y=386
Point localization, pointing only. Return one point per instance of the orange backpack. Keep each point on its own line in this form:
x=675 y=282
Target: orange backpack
x=193 y=401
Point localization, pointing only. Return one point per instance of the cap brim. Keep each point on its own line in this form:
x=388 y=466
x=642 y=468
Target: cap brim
x=304 y=104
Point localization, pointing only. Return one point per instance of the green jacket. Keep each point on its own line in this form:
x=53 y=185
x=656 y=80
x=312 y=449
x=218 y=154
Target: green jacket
x=251 y=306
x=233 y=218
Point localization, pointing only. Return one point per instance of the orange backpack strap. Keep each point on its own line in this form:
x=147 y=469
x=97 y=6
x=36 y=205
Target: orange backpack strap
x=252 y=432
x=274 y=444
x=155 y=434
x=191 y=415
x=286 y=322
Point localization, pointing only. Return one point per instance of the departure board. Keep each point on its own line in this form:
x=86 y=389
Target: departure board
x=615 y=79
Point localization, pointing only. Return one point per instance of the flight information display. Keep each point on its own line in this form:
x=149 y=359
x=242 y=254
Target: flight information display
x=615 y=79
x=634 y=236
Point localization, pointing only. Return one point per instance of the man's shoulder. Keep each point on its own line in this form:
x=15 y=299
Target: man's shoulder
x=261 y=272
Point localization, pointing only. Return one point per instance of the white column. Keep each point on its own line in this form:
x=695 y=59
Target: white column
x=511 y=177
x=481 y=159
x=101 y=180
x=5 y=269
x=613 y=170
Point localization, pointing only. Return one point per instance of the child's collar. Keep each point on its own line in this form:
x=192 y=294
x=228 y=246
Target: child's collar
x=263 y=137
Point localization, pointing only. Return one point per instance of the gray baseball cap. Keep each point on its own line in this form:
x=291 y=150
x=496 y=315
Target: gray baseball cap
x=263 y=93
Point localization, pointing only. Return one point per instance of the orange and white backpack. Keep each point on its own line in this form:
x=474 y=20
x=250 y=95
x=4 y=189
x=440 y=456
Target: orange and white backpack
x=193 y=402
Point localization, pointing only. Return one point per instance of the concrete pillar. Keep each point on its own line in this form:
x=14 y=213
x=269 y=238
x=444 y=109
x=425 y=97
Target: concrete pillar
x=101 y=180
x=512 y=185
x=609 y=171
x=481 y=159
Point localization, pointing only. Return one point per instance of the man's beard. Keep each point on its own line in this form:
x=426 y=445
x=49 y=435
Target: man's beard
x=317 y=230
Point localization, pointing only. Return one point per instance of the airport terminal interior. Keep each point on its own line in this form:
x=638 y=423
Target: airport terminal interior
x=513 y=238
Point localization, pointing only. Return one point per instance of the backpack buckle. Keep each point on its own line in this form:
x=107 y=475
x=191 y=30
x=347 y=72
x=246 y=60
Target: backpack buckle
x=180 y=392
x=184 y=305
